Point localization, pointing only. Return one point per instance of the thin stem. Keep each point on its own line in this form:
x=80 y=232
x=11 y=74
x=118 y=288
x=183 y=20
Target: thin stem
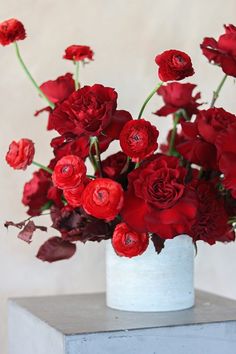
x=216 y=93
x=95 y=159
x=31 y=78
x=148 y=99
x=42 y=167
x=76 y=78
x=173 y=134
x=91 y=176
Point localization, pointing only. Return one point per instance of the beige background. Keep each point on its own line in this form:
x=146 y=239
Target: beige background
x=126 y=36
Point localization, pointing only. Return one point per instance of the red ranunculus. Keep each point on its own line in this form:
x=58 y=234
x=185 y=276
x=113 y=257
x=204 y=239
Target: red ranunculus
x=74 y=196
x=226 y=151
x=223 y=51
x=78 y=53
x=35 y=192
x=211 y=223
x=20 y=154
x=178 y=96
x=138 y=139
x=87 y=111
x=129 y=243
x=60 y=89
x=158 y=199
x=103 y=198
x=69 y=172
x=174 y=65
x=10 y=31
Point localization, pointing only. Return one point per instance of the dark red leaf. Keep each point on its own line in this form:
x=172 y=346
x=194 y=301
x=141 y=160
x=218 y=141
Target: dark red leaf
x=28 y=229
x=56 y=249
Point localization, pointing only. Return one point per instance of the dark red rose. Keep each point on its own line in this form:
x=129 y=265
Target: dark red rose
x=78 y=53
x=113 y=165
x=223 y=51
x=56 y=249
x=60 y=89
x=35 y=192
x=119 y=118
x=138 y=139
x=211 y=223
x=103 y=198
x=199 y=152
x=178 y=96
x=212 y=122
x=20 y=154
x=87 y=111
x=174 y=65
x=226 y=151
x=127 y=242
x=54 y=195
x=158 y=199
x=10 y=31
x=69 y=172
x=70 y=144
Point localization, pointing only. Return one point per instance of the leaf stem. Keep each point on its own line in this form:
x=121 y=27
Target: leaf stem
x=173 y=134
x=76 y=78
x=95 y=159
x=217 y=92
x=42 y=167
x=51 y=104
x=148 y=99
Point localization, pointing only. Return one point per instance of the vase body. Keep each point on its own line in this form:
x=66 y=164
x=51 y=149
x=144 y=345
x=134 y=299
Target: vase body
x=152 y=282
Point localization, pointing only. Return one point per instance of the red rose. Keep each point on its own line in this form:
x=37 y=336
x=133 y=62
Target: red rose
x=103 y=198
x=158 y=199
x=199 y=152
x=211 y=223
x=69 y=172
x=20 y=154
x=174 y=65
x=212 y=122
x=222 y=52
x=138 y=139
x=226 y=151
x=60 y=89
x=35 y=192
x=10 y=31
x=78 y=53
x=70 y=144
x=113 y=165
x=178 y=96
x=88 y=111
x=127 y=242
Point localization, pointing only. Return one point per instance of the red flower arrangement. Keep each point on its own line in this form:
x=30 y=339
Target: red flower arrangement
x=139 y=194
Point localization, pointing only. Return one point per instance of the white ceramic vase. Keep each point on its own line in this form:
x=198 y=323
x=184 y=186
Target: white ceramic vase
x=152 y=282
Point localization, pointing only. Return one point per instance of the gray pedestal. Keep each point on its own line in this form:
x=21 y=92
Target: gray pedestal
x=82 y=324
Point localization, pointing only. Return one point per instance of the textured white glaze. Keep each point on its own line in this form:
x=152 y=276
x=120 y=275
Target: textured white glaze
x=152 y=282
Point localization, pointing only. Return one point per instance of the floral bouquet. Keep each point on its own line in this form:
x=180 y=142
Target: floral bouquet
x=138 y=194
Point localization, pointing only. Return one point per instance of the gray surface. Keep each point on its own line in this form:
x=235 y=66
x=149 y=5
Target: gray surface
x=80 y=314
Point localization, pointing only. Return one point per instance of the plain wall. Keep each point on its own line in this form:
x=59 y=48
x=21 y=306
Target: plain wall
x=125 y=35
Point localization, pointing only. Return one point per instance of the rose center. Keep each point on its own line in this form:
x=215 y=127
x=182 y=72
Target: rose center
x=178 y=60
x=67 y=170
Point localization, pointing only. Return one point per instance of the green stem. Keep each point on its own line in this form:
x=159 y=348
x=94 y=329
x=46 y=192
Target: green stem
x=76 y=79
x=96 y=159
x=173 y=134
x=91 y=176
x=216 y=93
x=42 y=167
x=148 y=99
x=51 y=104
